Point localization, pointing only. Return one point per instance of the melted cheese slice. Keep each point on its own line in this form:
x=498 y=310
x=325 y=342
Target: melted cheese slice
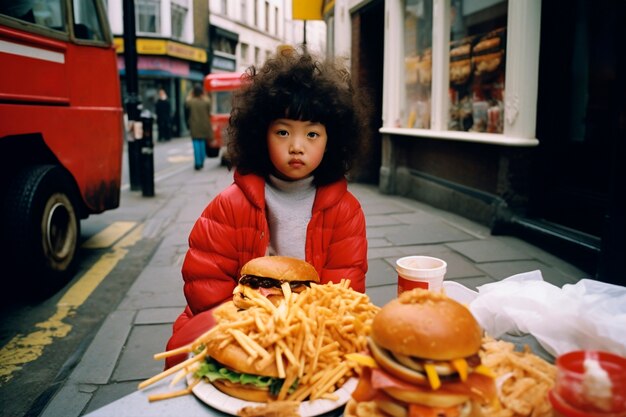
x=461 y=367
x=431 y=374
x=361 y=359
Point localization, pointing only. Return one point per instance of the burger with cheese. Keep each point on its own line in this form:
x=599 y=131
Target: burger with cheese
x=423 y=361
x=267 y=274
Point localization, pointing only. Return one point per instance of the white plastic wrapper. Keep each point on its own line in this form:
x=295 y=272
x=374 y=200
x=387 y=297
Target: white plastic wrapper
x=588 y=315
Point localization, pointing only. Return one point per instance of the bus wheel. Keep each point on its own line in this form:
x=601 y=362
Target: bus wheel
x=42 y=225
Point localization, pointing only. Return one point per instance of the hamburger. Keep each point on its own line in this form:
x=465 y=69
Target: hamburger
x=423 y=360
x=228 y=369
x=267 y=274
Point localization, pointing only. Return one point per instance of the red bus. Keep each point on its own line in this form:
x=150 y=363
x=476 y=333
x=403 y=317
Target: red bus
x=220 y=87
x=61 y=131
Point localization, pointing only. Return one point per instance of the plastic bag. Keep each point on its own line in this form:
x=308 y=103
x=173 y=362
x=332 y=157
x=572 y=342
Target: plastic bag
x=589 y=315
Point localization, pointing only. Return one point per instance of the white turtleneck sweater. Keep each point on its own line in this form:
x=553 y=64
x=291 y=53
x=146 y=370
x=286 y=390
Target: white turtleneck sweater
x=289 y=205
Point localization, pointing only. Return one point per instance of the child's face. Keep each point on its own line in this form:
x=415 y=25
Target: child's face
x=295 y=147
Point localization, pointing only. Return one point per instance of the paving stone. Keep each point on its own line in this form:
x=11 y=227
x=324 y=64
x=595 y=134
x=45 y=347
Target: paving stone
x=156 y=286
x=373 y=221
x=418 y=217
x=68 y=402
x=383 y=294
x=375 y=232
x=474 y=282
x=488 y=250
x=501 y=270
x=386 y=207
x=565 y=268
x=380 y=273
x=136 y=363
x=377 y=243
x=425 y=234
x=106 y=394
x=98 y=362
x=157 y=315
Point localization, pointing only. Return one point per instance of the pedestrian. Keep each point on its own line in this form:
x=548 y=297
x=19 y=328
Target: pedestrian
x=164 y=116
x=199 y=107
x=296 y=128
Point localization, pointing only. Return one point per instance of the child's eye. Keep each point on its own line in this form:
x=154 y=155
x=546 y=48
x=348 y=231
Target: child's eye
x=282 y=133
x=313 y=135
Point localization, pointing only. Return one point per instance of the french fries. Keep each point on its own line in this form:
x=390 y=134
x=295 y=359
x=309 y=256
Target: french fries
x=307 y=335
x=523 y=380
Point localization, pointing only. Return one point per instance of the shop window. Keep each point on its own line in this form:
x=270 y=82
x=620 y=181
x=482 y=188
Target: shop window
x=477 y=65
x=468 y=70
x=179 y=15
x=418 y=29
x=148 y=16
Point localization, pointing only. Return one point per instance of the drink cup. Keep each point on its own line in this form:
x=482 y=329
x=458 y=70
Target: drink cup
x=420 y=272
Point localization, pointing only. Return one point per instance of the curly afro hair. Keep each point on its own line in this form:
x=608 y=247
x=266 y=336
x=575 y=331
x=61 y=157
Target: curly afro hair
x=298 y=86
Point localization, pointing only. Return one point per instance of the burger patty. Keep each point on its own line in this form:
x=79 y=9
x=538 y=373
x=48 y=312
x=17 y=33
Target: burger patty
x=255 y=282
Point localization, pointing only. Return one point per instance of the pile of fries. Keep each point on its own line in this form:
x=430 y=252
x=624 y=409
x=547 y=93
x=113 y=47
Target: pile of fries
x=523 y=380
x=307 y=335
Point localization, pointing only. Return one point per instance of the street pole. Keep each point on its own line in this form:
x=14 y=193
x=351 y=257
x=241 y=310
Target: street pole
x=132 y=94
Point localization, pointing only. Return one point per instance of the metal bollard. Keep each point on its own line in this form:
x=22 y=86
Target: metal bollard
x=147 y=155
x=133 y=108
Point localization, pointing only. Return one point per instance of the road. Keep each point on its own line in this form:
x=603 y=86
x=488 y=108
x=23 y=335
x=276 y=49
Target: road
x=41 y=339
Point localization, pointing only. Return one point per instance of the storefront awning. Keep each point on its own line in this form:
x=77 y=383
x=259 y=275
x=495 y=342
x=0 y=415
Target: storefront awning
x=150 y=46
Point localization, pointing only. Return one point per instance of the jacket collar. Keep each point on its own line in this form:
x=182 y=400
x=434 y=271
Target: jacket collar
x=253 y=186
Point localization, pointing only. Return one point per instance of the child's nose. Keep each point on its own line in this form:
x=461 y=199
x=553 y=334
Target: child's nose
x=296 y=144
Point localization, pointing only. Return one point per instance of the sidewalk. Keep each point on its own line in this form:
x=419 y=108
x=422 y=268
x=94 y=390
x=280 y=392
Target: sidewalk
x=120 y=356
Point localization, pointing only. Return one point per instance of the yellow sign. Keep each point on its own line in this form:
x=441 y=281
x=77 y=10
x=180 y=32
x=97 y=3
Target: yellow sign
x=307 y=9
x=147 y=46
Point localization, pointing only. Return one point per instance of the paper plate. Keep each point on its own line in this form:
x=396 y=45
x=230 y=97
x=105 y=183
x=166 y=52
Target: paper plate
x=215 y=398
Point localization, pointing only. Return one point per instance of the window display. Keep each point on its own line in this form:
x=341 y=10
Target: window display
x=418 y=62
x=477 y=65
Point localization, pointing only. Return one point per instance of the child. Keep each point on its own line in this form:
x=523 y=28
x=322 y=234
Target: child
x=295 y=129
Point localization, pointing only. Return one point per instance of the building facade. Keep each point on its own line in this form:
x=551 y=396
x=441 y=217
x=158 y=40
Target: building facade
x=246 y=32
x=180 y=41
x=506 y=112
x=172 y=49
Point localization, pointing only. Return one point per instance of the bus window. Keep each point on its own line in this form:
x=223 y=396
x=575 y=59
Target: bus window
x=86 y=24
x=47 y=13
x=222 y=102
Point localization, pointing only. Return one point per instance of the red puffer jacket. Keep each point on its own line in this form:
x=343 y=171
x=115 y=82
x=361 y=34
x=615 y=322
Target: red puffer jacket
x=233 y=229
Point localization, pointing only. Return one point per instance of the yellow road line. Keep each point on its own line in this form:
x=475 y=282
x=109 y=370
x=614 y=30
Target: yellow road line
x=26 y=348
x=108 y=236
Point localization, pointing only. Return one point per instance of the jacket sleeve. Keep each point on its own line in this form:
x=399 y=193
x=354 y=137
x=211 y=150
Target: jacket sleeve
x=210 y=269
x=346 y=255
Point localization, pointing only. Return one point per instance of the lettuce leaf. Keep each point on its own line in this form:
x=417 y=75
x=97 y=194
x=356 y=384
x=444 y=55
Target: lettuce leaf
x=213 y=371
